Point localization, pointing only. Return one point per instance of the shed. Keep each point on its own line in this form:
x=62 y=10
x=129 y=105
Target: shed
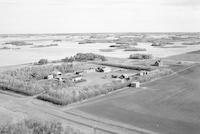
x=99 y=69
x=124 y=76
x=75 y=78
x=135 y=84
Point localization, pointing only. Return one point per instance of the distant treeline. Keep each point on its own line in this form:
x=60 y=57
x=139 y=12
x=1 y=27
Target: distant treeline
x=84 y=57
x=133 y=67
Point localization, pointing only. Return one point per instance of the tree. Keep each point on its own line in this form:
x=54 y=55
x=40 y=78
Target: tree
x=42 y=61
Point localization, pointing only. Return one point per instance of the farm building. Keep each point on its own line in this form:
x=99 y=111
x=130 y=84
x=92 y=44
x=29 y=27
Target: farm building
x=142 y=73
x=77 y=78
x=135 y=84
x=124 y=76
x=50 y=76
x=127 y=76
x=103 y=69
x=99 y=69
x=74 y=78
x=79 y=72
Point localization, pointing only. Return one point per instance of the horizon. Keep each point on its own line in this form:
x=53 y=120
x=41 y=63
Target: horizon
x=96 y=33
x=100 y=16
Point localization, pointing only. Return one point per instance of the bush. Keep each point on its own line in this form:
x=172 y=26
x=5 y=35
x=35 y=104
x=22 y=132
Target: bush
x=26 y=80
x=75 y=94
x=140 y=56
x=19 y=86
x=42 y=61
x=37 y=127
x=66 y=59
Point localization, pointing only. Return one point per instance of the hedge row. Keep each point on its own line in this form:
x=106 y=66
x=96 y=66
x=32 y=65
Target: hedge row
x=75 y=94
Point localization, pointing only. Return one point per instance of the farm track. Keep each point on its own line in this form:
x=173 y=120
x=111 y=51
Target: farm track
x=28 y=108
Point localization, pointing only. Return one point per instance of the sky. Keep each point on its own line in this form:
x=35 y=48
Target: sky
x=79 y=16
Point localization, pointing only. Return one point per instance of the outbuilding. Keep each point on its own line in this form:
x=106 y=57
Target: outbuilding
x=50 y=76
x=135 y=84
x=76 y=78
x=124 y=76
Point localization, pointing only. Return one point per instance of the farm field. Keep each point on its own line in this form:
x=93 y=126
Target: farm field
x=190 y=56
x=169 y=106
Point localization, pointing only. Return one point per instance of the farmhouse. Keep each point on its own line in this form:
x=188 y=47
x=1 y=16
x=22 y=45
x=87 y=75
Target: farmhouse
x=55 y=74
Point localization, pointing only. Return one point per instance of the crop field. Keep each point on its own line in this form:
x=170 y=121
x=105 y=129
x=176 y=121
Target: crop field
x=169 y=106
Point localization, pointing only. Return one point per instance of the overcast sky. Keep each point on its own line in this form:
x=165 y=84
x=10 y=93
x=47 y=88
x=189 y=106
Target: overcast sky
x=65 y=16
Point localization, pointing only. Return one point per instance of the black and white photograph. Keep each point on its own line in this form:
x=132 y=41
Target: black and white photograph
x=100 y=67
